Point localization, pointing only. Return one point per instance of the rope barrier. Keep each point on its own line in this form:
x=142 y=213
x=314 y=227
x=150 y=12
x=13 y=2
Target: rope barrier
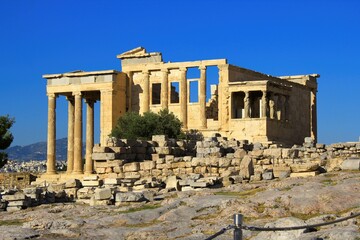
x=244 y=227
x=222 y=231
x=238 y=226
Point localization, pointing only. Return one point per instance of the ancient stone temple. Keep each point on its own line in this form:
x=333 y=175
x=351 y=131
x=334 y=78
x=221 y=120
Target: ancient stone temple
x=242 y=104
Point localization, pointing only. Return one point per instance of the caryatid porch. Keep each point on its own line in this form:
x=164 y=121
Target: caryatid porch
x=108 y=87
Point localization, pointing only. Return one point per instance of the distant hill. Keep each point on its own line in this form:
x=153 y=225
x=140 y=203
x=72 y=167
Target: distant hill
x=37 y=151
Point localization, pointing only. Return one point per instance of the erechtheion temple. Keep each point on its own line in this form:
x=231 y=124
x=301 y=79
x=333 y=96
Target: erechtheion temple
x=244 y=104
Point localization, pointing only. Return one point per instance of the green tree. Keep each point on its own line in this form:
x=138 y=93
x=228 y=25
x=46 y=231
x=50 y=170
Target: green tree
x=6 y=137
x=135 y=126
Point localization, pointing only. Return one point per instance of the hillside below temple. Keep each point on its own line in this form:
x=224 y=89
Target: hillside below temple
x=244 y=104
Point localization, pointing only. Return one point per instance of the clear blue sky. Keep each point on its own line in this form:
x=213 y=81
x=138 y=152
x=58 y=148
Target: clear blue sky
x=274 y=37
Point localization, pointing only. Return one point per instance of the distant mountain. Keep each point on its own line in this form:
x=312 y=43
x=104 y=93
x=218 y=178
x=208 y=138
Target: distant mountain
x=37 y=151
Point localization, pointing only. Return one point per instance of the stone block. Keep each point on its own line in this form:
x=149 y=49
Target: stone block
x=173 y=183
x=117 y=169
x=93 y=177
x=159 y=138
x=104 y=156
x=73 y=183
x=71 y=192
x=281 y=171
x=304 y=174
x=305 y=167
x=14 y=208
x=163 y=150
x=85 y=193
x=102 y=193
x=178 y=165
x=132 y=175
x=246 y=167
x=100 y=170
x=199 y=184
x=351 y=164
x=187 y=158
x=197 y=162
x=129 y=197
x=224 y=162
x=240 y=153
x=98 y=149
x=95 y=202
x=268 y=175
x=94 y=183
x=131 y=167
x=147 y=165
x=187 y=188
x=112 y=181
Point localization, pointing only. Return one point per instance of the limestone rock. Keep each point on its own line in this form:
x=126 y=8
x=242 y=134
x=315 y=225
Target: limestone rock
x=282 y=235
x=351 y=164
x=129 y=197
x=246 y=167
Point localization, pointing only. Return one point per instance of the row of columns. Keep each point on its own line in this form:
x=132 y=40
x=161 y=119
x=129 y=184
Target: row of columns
x=74 y=154
x=274 y=109
x=183 y=94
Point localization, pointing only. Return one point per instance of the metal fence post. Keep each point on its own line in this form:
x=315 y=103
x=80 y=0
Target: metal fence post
x=238 y=218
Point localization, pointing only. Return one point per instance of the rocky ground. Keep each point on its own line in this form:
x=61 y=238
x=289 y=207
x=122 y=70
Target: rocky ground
x=199 y=214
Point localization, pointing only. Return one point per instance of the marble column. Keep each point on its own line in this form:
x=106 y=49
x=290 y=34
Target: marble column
x=78 y=164
x=272 y=107
x=183 y=97
x=146 y=94
x=202 y=97
x=247 y=105
x=51 y=135
x=89 y=135
x=70 y=143
x=164 y=89
x=129 y=90
x=264 y=104
x=313 y=114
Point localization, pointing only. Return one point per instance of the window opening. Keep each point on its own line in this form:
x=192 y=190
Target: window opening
x=238 y=104
x=174 y=93
x=156 y=93
x=194 y=91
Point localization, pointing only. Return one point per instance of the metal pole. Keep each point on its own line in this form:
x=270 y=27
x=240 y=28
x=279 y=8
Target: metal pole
x=238 y=218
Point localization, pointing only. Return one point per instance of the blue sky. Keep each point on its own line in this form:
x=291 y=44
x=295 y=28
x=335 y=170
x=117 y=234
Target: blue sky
x=274 y=37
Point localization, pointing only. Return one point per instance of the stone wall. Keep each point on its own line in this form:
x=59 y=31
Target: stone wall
x=18 y=180
x=218 y=157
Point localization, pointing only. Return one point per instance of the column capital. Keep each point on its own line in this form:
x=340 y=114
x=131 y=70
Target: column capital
x=165 y=70
x=76 y=93
x=183 y=69
x=203 y=68
x=145 y=72
x=51 y=95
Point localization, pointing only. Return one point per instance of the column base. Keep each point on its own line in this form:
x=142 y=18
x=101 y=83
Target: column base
x=51 y=173
x=77 y=172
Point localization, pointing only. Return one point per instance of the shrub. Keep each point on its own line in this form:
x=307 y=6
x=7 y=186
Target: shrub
x=135 y=126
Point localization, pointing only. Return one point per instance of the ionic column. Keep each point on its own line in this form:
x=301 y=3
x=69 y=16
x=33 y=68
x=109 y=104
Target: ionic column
x=247 y=105
x=51 y=135
x=146 y=95
x=264 y=104
x=78 y=165
x=89 y=135
x=183 y=97
x=129 y=90
x=70 y=143
x=202 y=97
x=164 y=89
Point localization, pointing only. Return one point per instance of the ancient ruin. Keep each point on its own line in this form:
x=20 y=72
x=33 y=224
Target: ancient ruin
x=242 y=104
